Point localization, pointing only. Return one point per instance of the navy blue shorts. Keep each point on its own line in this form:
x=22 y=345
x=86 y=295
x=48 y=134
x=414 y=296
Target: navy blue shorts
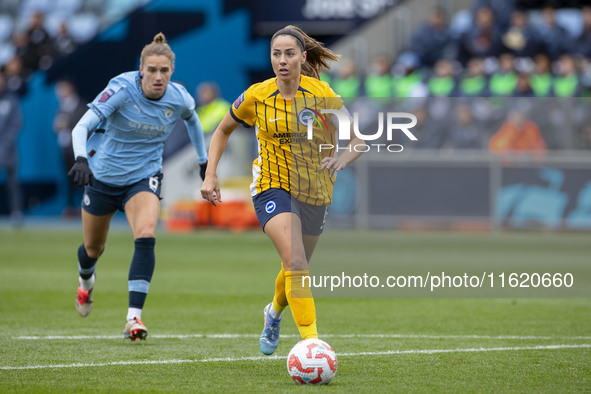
x=102 y=199
x=275 y=201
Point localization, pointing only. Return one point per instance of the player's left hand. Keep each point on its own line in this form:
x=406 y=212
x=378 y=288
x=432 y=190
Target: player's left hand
x=80 y=173
x=334 y=164
x=202 y=168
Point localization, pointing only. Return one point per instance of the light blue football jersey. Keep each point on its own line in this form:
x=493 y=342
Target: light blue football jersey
x=127 y=145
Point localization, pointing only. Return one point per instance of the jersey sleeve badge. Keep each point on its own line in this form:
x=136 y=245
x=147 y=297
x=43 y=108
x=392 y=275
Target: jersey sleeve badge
x=106 y=95
x=239 y=101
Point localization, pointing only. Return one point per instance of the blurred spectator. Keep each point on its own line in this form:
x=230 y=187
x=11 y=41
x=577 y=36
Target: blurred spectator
x=518 y=135
x=483 y=39
x=474 y=83
x=466 y=133
x=407 y=80
x=554 y=37
x=520 y=39
x=25 y=52
x=566 y=82
x=379 y=81
x=501 y=9
x=346 y=83
x=582 y=44
x=430 y=134
x=431 y=40
x=504 y=81
x=211 y=107
x=70 y=110
x=10 y=126
x=16 y=78
x=541 y=78
x=64 y=43
x=439 y=110
x=40 y=42
x=442 y=82
x=523 y=87
x=585 y=137
x=560 y=120
x=585 y=76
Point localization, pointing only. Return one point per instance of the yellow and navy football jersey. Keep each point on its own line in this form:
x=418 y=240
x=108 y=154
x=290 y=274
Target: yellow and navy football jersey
x=287 y=158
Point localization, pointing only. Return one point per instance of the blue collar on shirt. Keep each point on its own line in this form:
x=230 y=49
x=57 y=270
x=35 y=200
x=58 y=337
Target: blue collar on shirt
x=138 y=83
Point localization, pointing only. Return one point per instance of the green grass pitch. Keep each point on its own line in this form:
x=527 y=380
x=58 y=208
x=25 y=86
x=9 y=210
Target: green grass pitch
x=204 y=314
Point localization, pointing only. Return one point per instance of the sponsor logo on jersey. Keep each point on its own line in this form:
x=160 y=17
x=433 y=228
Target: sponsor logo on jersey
x=148 y=129
x=106 y=95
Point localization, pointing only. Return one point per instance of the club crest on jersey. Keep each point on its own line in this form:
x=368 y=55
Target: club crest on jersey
x=308 y=115
x=239 y=101
x=169 y=112
x=270 y=206
x=106 y=95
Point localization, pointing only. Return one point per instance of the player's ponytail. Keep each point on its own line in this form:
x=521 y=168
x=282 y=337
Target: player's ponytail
x=158 y=46
x=317 y=58
x=159 y=39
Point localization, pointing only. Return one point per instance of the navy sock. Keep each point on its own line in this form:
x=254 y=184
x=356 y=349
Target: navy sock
x=140 y=271
x=86 y=265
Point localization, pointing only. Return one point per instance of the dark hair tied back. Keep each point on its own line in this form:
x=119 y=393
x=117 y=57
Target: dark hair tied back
x=294 y=33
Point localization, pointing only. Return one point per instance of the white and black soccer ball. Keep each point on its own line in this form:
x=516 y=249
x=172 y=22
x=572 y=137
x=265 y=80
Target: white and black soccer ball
x=312 y=361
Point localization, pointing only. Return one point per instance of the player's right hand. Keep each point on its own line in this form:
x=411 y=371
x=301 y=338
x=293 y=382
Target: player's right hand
x=210 y=190
x=80 y=172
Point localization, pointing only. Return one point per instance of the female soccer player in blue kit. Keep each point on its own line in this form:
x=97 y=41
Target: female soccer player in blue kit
x=120 y=167
x=292 y=181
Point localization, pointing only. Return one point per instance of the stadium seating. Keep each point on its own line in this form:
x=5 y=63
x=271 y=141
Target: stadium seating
x=85 y=18
x=461 y=23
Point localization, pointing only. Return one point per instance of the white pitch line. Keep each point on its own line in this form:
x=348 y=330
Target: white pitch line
x=232 y=336
x=262 y=358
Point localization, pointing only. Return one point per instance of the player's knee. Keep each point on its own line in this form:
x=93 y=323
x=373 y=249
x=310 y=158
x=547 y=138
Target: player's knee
x=145 y=232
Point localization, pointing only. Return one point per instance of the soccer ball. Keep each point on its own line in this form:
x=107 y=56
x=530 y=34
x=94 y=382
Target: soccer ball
x=312 y=361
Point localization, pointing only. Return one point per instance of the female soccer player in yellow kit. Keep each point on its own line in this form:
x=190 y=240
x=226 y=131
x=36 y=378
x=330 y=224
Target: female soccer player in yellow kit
x=292 y=177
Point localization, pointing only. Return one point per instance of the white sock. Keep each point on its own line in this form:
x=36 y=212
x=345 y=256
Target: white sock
x=134 y=312
x=86 y=284
x=274 y=314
